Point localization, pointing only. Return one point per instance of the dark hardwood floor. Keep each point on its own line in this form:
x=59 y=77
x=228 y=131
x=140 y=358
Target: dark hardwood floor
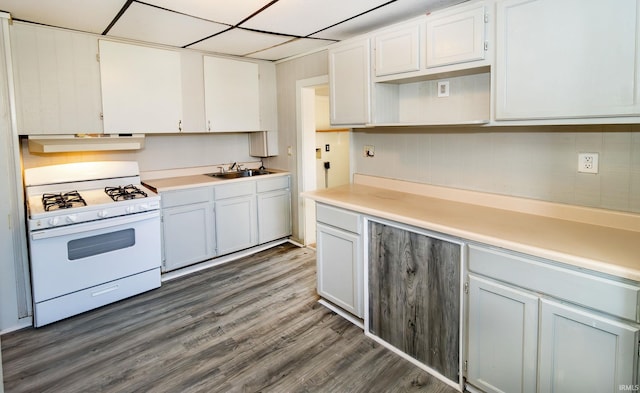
x=253 y=325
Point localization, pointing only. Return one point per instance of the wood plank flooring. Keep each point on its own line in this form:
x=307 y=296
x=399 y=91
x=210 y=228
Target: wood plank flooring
x=253 y=325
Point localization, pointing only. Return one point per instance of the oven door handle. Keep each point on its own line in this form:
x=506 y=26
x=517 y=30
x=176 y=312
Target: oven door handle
x=94 y=225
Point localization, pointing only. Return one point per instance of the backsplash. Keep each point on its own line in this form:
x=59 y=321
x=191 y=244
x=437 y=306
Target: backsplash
x=160 y=152
x=530 y=162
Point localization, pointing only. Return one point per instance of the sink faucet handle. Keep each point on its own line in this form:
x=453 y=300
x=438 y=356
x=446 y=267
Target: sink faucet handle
x=221 y=169
x=233 y=166
x=239 y=167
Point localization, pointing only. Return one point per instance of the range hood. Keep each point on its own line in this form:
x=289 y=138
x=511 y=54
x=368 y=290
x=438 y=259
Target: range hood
x=84 y=142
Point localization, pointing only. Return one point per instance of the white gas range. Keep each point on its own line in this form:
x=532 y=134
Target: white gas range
x=94 y=236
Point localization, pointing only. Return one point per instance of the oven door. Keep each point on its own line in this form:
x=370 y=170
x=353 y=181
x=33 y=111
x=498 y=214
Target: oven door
x=75 y=257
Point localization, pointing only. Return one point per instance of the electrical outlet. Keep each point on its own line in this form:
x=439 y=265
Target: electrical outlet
x=369 y=151
x=443 y=89
x=588 y=162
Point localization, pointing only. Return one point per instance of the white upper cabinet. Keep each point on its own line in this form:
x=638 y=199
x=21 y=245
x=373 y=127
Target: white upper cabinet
x=57 y=80
x=567 y=59
x=232 y=95
x=193 y=117
x=349 y=83
x=456 y=36
x=398 y=50
x=141 y=88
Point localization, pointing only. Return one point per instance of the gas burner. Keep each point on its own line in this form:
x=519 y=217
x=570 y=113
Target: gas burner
x=122 y=193
x=62 y=201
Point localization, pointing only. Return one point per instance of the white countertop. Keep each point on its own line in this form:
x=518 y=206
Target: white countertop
x=200 y=180
x=606 y=249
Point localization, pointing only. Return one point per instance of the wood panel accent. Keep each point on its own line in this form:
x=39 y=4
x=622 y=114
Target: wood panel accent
x=250 y=325
x=414 y=295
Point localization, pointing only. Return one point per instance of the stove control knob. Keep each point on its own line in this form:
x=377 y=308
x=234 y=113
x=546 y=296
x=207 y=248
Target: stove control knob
x=54 y=220
x=103 y=213
x=72 y=218
x=130 y=209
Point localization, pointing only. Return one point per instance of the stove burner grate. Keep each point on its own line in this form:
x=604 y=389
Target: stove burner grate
x=122 y=193
x=62 y=201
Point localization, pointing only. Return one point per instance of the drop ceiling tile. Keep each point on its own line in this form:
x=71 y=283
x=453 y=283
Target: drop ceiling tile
x=383 y=16
x=151 y=24
x=291 y=48
x=83 y=15
x=229 y=12
x=240 y=42
x=302 y=18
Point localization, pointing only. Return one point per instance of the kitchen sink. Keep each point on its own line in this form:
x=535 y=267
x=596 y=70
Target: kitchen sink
x=242 y=173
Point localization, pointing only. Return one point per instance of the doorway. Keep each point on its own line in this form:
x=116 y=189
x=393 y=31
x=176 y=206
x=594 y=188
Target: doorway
x=322 y=161
x=306 y=118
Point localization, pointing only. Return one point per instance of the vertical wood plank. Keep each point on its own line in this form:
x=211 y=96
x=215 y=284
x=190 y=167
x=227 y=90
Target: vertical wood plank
x=414 y=295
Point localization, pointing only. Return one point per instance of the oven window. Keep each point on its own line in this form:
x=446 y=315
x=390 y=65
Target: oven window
x=100 y=244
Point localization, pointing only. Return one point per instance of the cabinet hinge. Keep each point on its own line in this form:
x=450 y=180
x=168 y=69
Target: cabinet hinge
x=486 y=18
x=486 y=45
x=466 y=287
x=98 y=57
x=465 y=366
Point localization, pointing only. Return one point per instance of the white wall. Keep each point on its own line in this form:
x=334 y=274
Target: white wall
x=161 y=152
x=14 y=294
x=288 y=72
x=531 y=162
x=338 y=154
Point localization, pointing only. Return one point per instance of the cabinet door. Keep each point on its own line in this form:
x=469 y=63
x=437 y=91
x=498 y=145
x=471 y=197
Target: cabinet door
x=57 y=78
x=340 y=276
x=188 y=235
x=274 y=215
x=456 y=38
x=564 y=59
x=236 y=221
x=232 y=95
x=503 y=337
x=349 y=83
x=583 y=352
x=141 y=88
x=414 y=295
x=398 y=50
x=193 y=117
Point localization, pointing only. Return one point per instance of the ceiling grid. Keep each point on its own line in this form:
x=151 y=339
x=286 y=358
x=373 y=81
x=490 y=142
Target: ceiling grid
x=260 y=29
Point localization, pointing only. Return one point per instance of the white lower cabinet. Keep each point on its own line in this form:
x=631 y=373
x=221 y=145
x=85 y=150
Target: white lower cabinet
x=339 y=258
x=581 y=351
x=188 y=232
x=534 y=326
x=274 y=209
x=236 y=217
x=201 y=223
x=503 y=333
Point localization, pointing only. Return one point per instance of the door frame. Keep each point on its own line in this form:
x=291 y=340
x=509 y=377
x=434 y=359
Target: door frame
x=306 y=166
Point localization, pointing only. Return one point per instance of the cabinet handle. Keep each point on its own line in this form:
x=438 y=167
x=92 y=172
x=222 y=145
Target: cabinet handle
x=180 y=125
x=208 y=125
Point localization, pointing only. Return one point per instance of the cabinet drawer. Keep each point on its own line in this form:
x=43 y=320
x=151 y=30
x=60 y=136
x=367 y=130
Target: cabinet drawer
x=235 y=189
x=602 y=294
x=339 y=218
x=187 y=196
x=276 y=183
